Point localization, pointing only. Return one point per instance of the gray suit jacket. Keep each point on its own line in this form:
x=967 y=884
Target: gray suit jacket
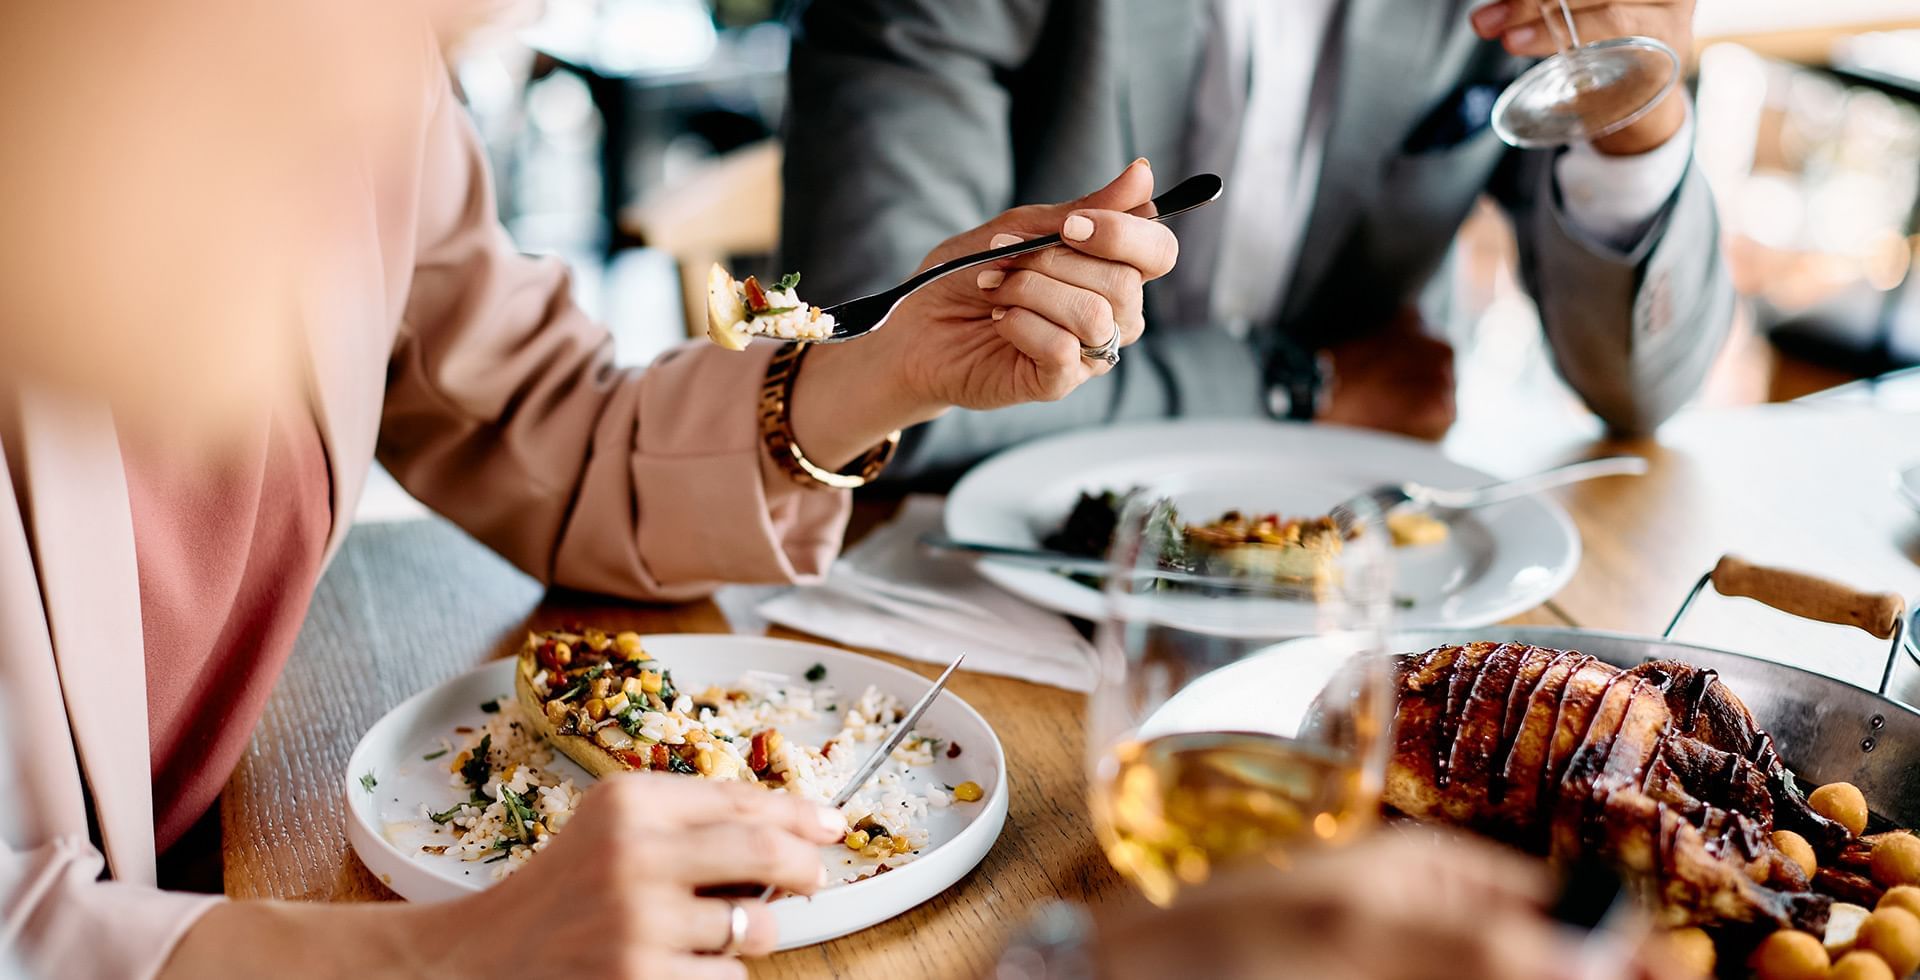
x=911 y=120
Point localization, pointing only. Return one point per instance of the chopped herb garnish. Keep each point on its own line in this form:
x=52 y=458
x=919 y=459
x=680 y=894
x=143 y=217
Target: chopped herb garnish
x=367 y=782
x=816 y=673
x=677 y=764
x=771 y=311
x=447 y=814
x=593 y=673
x=493 y=860
x=789 y=281
x=429 y=757
x=490 y=707
x=519 y=814
x=476 y=770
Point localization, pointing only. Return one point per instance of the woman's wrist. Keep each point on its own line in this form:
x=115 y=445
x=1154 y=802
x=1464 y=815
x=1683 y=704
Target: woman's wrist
x=310 y=939
x=848 y=398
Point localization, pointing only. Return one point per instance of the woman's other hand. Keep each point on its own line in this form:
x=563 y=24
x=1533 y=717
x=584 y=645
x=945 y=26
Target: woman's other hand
x=1000 y=335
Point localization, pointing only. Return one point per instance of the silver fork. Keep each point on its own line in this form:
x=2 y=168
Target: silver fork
x=1389 y=497
x=878 y=757
x=859 y=317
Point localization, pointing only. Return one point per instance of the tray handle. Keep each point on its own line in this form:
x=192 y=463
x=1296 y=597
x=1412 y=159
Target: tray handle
x=1880 y=614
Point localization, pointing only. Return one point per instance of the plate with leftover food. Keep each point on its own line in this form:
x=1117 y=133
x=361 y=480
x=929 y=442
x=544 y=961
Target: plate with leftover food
x=461 y=785
x=1266 y=485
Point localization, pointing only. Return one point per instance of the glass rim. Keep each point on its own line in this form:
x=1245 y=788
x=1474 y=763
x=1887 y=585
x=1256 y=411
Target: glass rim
x=1558 y=63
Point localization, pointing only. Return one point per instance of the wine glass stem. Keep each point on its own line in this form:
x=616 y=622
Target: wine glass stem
x=1573 y=33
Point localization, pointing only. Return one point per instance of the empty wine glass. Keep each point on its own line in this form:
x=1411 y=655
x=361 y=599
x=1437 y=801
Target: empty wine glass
x=1586 y=91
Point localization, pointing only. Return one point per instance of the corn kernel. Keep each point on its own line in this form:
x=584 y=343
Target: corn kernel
x=631 y=686
x=562 y=654
x=856 y=839
x=597 y=640
x=596 y=709
x=968 y=792
x=602 y=686
x=629 y=646
x=703 y=761
x=650 y=682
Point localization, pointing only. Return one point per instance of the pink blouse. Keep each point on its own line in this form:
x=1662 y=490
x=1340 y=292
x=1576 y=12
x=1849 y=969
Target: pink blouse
x=229 y=552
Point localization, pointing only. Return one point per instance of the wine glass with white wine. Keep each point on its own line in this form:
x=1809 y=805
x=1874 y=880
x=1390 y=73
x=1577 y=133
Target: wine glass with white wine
x=1587 y=90
x=1212 y=740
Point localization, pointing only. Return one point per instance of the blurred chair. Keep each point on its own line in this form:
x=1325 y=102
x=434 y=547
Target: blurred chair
x=729 y=206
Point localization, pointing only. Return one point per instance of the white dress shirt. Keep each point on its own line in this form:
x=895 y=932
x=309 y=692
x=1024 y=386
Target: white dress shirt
x=1264 y=102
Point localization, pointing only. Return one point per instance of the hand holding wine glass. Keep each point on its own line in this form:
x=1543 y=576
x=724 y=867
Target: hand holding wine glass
x=1611 y=69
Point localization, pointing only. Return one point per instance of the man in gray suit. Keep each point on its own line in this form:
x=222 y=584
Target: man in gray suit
x=1354 y=136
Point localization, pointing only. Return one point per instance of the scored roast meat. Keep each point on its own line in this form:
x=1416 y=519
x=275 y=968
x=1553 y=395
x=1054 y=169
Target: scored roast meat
x=1659 y=769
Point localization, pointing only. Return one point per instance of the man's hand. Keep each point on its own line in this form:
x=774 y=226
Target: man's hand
x=1396 y=379
x=1536 y=29
x=1410 y=905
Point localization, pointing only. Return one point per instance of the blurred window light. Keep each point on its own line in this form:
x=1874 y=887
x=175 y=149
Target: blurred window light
x=1715 y=18
x=627 y=36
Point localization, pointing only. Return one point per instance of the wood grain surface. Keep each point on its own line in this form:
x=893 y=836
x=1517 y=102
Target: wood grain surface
x=408 y=605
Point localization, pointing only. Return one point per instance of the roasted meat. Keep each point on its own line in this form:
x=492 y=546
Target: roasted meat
x=1659 y=769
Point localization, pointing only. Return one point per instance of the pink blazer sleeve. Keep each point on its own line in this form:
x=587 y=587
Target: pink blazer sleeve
x=504 y=412
x=59 y=920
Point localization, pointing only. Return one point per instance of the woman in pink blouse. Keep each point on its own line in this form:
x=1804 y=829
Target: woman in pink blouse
x=249 y=248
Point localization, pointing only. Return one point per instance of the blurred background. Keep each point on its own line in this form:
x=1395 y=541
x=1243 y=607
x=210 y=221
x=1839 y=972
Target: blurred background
x=639 y=140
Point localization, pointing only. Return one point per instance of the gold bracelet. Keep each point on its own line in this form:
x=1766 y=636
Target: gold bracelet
x=776 y=427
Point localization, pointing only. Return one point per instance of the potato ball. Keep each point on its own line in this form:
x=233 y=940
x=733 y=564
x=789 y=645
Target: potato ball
x=1843 y=804
x=1861 y=965
x=1790 y=955
x=1894 y=933
x=1896 y=860
x=1902 y=897
x=1796 y=847
x=1844 y=920
x=1691 y=950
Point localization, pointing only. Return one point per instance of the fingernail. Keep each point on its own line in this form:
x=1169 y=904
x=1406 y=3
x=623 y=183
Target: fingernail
x=1520 y=37
x=1142 y=161
x=1003 y=239
x=1078 y=228
x=831 y=822
x=999 y=312
x=991 y=279
x=1488 y=20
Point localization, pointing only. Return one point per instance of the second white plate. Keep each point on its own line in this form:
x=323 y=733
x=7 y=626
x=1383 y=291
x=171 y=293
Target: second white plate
x=1497 y=562
x=386 y=830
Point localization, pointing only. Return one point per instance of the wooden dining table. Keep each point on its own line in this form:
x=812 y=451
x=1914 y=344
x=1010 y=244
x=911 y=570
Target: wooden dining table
x=407 y=605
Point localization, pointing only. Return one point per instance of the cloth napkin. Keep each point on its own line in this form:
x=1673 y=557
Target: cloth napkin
x=888 y=594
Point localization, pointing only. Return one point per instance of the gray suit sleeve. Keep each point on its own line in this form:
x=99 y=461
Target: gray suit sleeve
x=1632 y=332
x=897 y=133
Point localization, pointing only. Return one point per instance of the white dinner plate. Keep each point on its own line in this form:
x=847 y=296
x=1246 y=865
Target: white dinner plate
x=1497 y=562
x=387 y=831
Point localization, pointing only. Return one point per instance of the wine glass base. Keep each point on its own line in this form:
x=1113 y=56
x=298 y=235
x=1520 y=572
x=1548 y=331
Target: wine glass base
x=1584 y=94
